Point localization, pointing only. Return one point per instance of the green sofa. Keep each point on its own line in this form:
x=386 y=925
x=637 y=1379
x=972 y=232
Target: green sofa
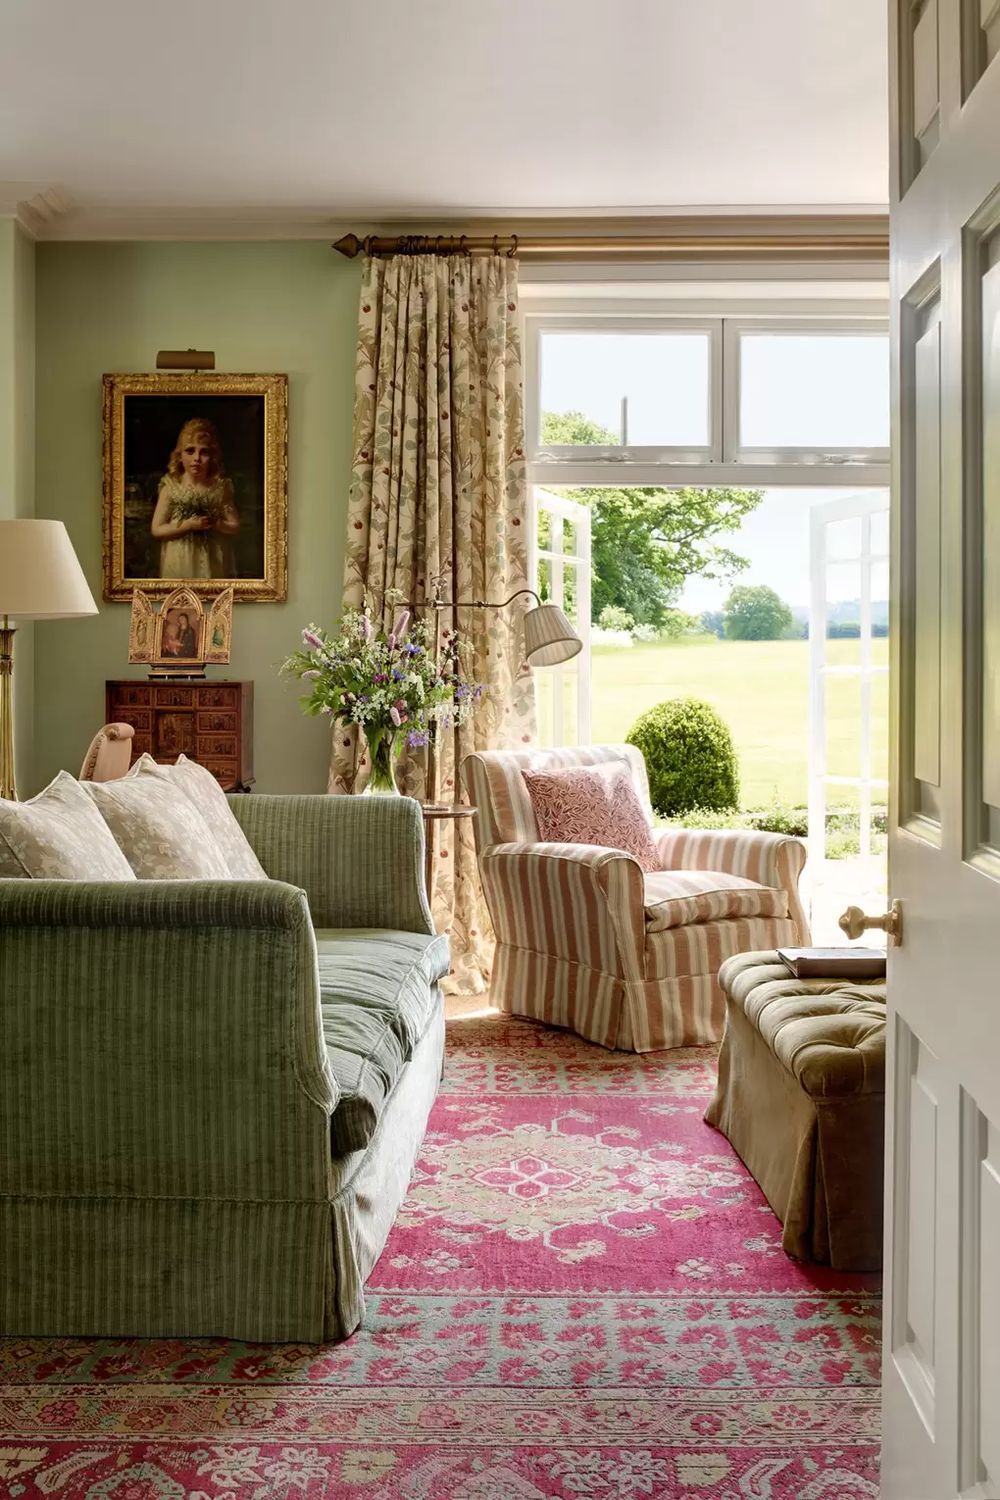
x=213 y=1092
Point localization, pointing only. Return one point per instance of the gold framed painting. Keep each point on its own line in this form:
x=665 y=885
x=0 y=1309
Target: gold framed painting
x=196 y=485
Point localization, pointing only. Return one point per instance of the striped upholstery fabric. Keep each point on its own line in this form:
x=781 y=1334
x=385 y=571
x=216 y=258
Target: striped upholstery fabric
x=167 y=1091
x=768 y=858
x=585 y=941
x=378 y=995
x=673 y=898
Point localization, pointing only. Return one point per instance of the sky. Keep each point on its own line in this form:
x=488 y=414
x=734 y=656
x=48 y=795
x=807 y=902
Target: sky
x=817 y=391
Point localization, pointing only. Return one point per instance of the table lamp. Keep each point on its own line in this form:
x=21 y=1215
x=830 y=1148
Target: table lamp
x=40 y=579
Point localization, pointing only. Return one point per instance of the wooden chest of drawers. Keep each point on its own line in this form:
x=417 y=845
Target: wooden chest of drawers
x=210 y=722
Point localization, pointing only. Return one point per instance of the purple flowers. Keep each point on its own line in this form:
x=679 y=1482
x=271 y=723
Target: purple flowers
x=385 y=680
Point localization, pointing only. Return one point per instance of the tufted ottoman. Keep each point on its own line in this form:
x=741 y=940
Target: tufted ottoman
x=801 y=1098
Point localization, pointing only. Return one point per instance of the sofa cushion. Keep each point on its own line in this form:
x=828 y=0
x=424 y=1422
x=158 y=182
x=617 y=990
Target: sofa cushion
x=677 y=898
x=58 y=835
x=378 y=994
x=159 y=830
x=390 y=972
x=202 y=789
x=366 y=1058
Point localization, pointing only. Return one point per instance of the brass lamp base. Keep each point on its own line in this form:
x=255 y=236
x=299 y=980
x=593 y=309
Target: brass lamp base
x=7 y=786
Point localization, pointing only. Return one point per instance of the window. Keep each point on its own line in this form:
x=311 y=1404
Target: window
x=561 y=569
x=815 y=395
x=709 y=400
x=638 y=389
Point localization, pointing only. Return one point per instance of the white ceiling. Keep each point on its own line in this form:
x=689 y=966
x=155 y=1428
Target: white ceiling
x=326 y=109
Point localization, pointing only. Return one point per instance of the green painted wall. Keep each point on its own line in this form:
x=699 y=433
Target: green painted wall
x=288 y=307
x=17 y=447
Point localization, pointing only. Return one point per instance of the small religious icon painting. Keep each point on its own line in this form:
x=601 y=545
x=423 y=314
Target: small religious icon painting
x=184 y=635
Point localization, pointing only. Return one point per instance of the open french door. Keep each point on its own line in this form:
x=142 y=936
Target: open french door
x=848 y=671
x=942 y=1340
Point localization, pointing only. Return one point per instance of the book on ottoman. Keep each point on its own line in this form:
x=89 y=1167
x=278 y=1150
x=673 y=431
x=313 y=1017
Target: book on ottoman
x=834 y=963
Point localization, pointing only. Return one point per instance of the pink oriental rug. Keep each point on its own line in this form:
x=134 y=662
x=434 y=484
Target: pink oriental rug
x=584 y=1296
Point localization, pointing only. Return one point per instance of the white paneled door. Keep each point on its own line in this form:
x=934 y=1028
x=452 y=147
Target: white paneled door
x=942 y=1341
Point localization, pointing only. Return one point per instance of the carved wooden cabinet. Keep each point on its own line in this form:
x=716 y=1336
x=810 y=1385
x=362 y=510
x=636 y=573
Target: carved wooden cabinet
x=210 y=722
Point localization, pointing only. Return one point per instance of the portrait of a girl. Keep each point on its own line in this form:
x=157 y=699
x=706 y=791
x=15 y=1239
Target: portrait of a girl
x=195 y=517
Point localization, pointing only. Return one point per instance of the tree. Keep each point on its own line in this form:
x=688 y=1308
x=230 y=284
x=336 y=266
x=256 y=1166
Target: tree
x=713 y=622
x=647 y=541
x=756 y=613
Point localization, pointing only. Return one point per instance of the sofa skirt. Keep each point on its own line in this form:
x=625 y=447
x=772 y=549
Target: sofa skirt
x=187 y=1268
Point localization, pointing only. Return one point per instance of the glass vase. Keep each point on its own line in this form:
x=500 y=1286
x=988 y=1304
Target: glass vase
x=384 y=746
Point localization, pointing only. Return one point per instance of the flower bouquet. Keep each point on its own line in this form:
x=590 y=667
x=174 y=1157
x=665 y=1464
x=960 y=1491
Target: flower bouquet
x=392 y=685
x=187 y=507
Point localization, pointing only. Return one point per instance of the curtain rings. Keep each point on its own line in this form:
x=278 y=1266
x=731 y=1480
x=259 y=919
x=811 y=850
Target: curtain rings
x=512 y=252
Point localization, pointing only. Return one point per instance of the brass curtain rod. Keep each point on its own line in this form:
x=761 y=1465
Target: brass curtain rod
x=850 y=245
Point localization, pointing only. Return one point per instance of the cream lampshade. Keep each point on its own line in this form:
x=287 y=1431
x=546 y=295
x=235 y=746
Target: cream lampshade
x=40 y=579
x=549 y=638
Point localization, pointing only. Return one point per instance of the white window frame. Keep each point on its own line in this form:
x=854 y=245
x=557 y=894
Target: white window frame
x=847 y=460
x=861 y=507
x=723 y=462
x=559 y=509
x=537 y=327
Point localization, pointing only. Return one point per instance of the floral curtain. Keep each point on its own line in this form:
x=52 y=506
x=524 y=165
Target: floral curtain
x=438 y=492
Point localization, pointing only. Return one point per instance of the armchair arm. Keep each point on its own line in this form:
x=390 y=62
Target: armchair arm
x=162 y=1039
x=576 y=901
x=360 y=860
x=770 y=859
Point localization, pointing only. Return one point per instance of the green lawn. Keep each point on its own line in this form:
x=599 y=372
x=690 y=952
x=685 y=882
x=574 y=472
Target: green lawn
x=761 y=690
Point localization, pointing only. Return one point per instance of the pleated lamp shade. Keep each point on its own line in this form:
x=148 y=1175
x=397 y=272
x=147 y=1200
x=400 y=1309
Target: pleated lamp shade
x=549 y=638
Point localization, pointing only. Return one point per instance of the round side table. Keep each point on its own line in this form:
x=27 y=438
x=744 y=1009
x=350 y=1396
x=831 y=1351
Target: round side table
x=433 y=813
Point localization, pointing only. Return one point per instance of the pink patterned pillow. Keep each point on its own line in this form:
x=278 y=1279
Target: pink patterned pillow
x=592 y=805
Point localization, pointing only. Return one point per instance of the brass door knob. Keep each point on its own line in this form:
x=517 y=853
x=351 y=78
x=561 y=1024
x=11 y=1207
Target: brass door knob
x=855 y=923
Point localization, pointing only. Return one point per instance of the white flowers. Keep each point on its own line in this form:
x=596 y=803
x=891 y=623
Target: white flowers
x=384 y=682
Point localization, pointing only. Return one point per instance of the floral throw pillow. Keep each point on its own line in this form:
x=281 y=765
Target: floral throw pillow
x=205 y=793
x=592 y=805
x=162 y=835
x=58 y=835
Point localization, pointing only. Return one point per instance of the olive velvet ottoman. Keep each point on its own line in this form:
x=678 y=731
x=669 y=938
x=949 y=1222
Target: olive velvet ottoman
x=801 y=1098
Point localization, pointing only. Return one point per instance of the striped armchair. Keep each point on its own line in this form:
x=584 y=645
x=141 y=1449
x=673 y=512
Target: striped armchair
x=585 y=940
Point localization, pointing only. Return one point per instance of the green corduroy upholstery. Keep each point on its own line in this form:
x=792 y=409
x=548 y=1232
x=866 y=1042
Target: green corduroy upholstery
x=166 y=1094
x=359 y=858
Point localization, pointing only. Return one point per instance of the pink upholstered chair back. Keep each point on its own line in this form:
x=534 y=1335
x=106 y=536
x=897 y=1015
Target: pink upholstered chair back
x=110 y=753
x=494 y=783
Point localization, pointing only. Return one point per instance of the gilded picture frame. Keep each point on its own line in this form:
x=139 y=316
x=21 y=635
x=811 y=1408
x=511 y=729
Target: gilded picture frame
x=196 y=485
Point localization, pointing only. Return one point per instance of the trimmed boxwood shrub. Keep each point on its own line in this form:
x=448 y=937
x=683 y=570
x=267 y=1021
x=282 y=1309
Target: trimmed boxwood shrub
x=689 y=755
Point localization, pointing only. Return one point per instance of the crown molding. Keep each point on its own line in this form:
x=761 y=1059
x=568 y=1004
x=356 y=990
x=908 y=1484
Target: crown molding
x=192 y=224
x=50 y=214
x=36 y=206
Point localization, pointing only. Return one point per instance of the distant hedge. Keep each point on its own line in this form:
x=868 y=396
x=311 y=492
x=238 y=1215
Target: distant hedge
x=850 y=630
x=690 y=757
